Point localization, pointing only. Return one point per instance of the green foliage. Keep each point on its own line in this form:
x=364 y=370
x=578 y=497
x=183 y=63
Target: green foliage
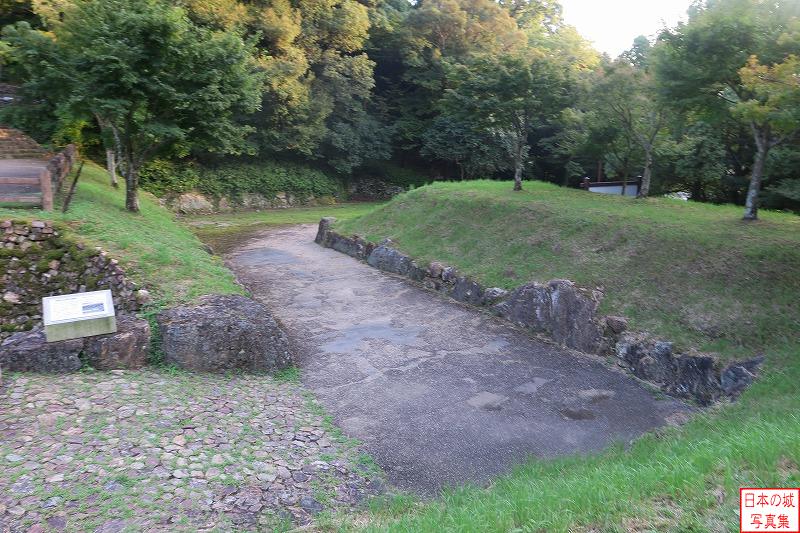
x=789 y=189
x=713 y=66
x=266 y=178
x=474 y=150
x=317 y=96
x=147 y=74
x=699 y=163
x=12 y=11
x=505 y=99
x=773 y=95
x=162 y=177
x=396 y=175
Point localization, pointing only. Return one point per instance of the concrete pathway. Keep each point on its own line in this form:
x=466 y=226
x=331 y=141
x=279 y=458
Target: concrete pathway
x=441 y=394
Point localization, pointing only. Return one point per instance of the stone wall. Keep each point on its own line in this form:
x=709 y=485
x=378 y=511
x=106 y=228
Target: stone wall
x=568 y=315
x=35 y=261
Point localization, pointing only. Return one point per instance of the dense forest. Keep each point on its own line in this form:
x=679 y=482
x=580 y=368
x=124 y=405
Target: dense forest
x=408 y=93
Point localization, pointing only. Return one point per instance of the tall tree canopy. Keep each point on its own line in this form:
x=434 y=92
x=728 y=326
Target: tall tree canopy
x=699 y=66
x=145 y=73
x=442 y=88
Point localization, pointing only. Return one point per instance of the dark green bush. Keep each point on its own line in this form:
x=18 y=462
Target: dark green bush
x=162 y=177
x=266 y=178
x=394 y=174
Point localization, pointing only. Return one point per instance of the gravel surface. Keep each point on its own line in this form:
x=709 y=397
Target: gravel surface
x=164 y=451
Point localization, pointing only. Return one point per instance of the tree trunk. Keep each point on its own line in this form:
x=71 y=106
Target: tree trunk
x=111 y=165
x=517 y=175
x=644 y=190
x=132 y=189
x=751 y=205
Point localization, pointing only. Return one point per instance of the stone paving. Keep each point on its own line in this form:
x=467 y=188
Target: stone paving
x=439 y=393
x=170 y=451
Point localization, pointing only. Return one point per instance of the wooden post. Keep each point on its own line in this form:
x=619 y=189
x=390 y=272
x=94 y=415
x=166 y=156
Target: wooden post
x=45 y=180
x=71 y=192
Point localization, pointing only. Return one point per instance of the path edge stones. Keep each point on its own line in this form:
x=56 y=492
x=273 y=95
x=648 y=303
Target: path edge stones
x=567 y=314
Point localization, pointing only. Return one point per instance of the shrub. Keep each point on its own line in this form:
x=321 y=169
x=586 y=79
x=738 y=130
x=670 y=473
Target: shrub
x=394 y=174
x=162 y=177
x=266 y=178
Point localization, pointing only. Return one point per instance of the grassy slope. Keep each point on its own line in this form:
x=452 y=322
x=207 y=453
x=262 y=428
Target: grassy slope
x=161 y=255
x=694 y=273
x=689 y=271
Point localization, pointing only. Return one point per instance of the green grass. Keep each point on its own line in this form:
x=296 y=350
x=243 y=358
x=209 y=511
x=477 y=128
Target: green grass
x=223 y=231
x=157 y=252
x=694 y=273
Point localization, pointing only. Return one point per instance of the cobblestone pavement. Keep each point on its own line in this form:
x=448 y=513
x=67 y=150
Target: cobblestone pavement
x=161 y=451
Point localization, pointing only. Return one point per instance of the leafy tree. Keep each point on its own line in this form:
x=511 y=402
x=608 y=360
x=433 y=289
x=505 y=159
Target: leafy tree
x=698 y=65
x=508 y=97
x=437 y=34
x=626 y=95
x=473 y=151
x=147 y=74
x=354 y=134
x=639 y=53
x=772 y=111
x=699 y=157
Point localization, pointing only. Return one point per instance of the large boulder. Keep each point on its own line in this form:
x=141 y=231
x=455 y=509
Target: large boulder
x=29 y=351
x=324 y=230
x=128 y=348
x=468 y=291
x=192 y=203
x=391 y=260
x=559 y=309
x=222 y=333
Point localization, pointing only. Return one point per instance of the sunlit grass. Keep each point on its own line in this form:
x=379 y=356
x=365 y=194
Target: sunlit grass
x=156 y=251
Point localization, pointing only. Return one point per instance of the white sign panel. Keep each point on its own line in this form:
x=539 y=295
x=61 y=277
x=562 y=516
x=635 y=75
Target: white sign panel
x=76 y=307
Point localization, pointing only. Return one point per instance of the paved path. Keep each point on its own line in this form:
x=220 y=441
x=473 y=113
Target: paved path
x=441 y=394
